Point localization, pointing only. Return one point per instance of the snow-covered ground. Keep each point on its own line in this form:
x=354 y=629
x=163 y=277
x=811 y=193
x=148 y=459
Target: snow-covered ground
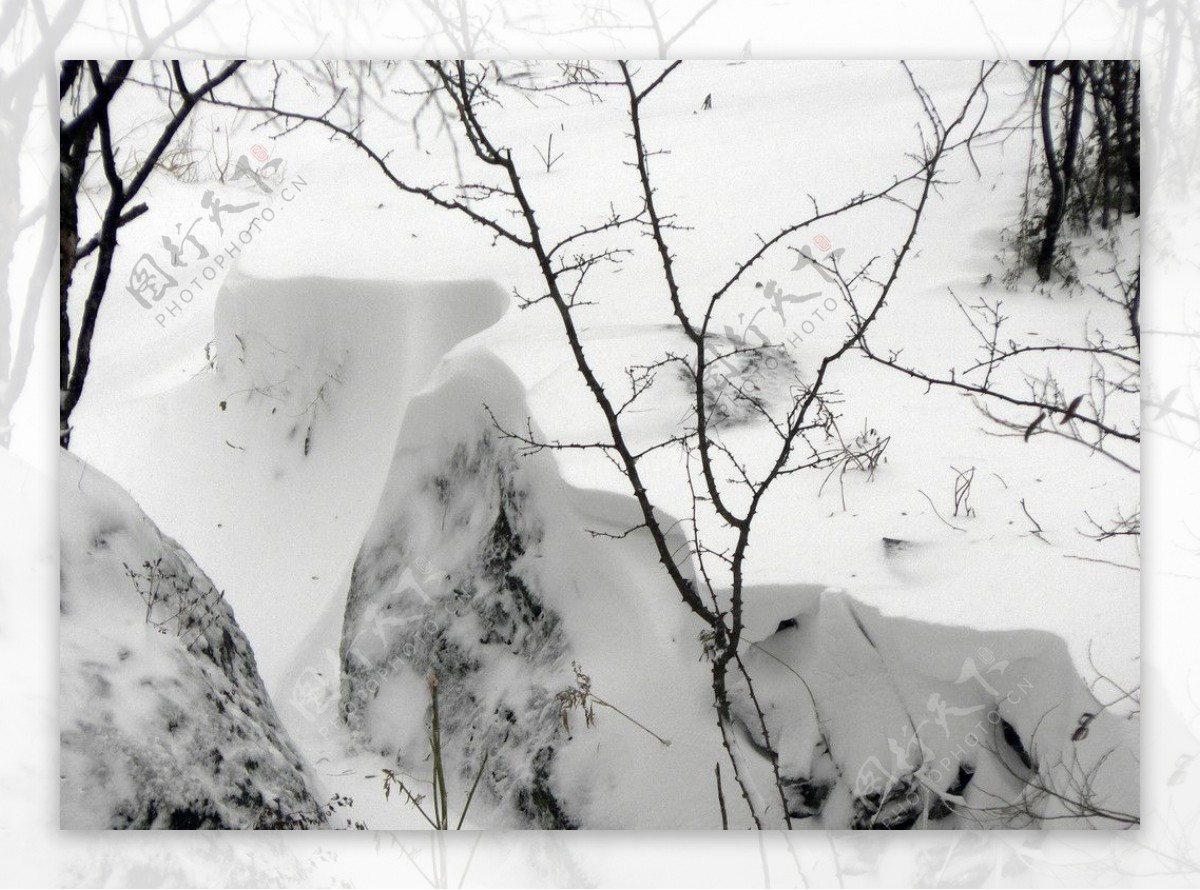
x=310 y=427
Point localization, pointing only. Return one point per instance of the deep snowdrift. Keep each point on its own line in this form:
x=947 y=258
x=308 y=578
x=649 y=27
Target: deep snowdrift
x=888 y=722
x=164 y=720
x=480 y=568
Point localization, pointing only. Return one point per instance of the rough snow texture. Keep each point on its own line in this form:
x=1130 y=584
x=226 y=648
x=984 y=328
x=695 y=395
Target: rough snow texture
x=447 y=585
x=164 y=720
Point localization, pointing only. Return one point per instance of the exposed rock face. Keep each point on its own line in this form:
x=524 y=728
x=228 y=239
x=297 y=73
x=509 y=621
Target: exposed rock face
x=457 y=578
x=467 y=607
x=164 y=720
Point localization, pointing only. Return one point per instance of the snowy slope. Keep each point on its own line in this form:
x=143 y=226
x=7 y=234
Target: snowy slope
x=290 y=421
x=165 y=722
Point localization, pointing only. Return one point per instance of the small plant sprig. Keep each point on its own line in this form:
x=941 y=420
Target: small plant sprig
x=549 y=158
x=580 y=696
x=962 y=491
x=865 y=453
x=189 y=607
x=317 y=818
x=439 y=818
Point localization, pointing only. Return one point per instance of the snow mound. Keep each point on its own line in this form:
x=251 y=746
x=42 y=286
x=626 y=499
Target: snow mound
x=479 y=569
x=164 y=720
x=447 y=584
x=294 y=347
x=519 y=592
x=884 y=722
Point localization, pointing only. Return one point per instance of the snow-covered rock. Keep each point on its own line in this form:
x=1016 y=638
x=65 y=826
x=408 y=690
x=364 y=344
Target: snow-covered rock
x=885 y=722
x=448 y=584
x=479 y=569
x=164 y=720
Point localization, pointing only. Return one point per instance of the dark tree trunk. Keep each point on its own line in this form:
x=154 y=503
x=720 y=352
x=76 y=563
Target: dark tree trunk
x=1076 y=103
x=83 y=351
x=1124 y=83
x=1061 y=174
x=1133 y=150
x=75 y=139
x=1058 y=190
x=68 y=249
x=1104 y=147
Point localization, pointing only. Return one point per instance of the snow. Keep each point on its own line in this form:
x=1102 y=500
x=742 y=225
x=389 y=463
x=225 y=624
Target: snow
x=289 y=427
x=165 y=722
x=511 y=590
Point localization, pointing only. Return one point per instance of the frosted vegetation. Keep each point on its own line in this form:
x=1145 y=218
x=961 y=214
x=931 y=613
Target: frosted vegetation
x=602 y=445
